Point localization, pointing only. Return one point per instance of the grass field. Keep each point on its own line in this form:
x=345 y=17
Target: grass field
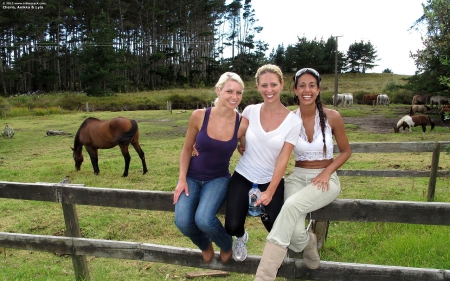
x=32 y=156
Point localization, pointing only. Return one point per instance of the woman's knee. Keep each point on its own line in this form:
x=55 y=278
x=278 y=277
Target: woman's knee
x=233 y=228
x=184 y=225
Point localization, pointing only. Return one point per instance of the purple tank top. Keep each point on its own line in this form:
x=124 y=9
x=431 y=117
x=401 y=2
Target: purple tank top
x=214 y=155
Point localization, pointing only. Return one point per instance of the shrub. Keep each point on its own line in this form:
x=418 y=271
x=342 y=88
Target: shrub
x=403 y=97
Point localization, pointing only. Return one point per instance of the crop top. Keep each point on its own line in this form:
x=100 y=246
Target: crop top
x=214 y=156
x=310 y=151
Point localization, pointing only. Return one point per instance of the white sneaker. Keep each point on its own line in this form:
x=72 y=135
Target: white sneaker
x=239 y=248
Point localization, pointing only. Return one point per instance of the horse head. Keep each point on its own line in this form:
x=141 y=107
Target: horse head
x=396 y=129
x=78 y=158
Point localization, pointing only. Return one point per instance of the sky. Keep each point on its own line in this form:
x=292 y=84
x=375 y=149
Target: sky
x=385 y=23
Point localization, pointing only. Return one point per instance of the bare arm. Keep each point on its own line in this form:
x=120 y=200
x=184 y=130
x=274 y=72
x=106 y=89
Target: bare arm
x=194 y=125
x=280 y=168
x=337 y=126
x=241 y=135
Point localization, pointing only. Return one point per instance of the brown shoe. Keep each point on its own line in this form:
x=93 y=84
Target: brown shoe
x=225 y=256
x=208 y=254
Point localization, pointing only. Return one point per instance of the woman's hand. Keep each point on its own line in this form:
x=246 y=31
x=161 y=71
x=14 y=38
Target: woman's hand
x=181 y=186
x=241 y=148
x=194 y=150
x=265 y=198
x=321 y=181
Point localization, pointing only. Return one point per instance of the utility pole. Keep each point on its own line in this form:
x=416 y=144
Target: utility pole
x=336 y=73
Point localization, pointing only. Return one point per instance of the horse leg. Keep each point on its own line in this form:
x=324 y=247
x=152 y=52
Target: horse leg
x=93 y=154
x=126 y=157
x=424 y=128
x=141 y=154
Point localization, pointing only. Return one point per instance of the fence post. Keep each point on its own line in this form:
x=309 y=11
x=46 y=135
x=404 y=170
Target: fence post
x=433 y=172
x=169 y=106
x=73 y=230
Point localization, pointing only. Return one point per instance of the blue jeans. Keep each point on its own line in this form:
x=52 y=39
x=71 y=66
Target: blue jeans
x=195 y=215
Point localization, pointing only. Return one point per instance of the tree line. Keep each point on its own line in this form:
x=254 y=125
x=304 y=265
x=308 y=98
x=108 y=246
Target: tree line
x=107 y=46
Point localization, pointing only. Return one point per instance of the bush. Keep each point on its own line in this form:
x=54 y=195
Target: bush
x=392 y=87
x=403 y=97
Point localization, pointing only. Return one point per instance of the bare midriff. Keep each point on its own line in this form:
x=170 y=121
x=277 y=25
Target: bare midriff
x=316 y=164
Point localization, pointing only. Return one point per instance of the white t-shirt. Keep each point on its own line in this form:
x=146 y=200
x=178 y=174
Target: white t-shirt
x=262 y=148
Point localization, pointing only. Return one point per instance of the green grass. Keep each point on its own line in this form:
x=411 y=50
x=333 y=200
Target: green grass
x=32 y=156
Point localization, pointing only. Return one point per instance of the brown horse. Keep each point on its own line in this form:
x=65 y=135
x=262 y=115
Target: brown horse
x=370 y=99
x=414 y=121
x=421 y=108
x=96 y=134
x=421 y=99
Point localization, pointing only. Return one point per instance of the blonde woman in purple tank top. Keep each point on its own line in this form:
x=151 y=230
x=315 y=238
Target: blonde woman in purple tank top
x=203 y=179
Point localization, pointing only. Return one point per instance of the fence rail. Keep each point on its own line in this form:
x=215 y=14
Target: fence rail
x=428 y=213
x=295 y=269
x=431 y=213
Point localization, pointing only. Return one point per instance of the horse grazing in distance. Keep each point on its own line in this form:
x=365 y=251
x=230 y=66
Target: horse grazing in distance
x=421 y=99
x=370 y=99
x=96 y=134
x=345 y=99
x=421 y=108
x=438 y=101
x=382 y=99
x=414 y=121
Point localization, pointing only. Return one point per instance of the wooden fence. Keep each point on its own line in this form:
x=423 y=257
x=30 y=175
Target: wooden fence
x=427 y=213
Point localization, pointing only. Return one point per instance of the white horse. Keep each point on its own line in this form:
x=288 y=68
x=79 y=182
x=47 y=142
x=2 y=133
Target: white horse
x=345 y=99
x=383 y=99
x=348 y=98
x=405 y=119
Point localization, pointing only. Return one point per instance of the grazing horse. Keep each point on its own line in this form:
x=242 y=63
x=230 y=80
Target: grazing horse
x=414 y=121
x=438 y=101
x=345 y=99
x=383 y=99
x=421 y=108
x=421 y=99
x=96 y=134
x=348 y=98
x=370 y=99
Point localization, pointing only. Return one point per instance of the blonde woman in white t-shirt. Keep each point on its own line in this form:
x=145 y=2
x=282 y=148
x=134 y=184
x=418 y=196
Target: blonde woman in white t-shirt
x=270 y=138
x=313 y=183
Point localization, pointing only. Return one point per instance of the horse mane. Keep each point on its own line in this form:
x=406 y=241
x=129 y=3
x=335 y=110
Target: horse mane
x=77 y=143
x=126 y=137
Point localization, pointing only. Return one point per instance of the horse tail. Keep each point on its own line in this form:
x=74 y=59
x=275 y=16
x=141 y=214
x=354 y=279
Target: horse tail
x=431 y=123
x=126 y=137
x=411 y=112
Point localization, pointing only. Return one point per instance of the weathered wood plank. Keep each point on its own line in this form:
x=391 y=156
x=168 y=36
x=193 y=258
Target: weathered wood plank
x=291 y=268
x=394 y=147
x=391 y=173
x=430 y=213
